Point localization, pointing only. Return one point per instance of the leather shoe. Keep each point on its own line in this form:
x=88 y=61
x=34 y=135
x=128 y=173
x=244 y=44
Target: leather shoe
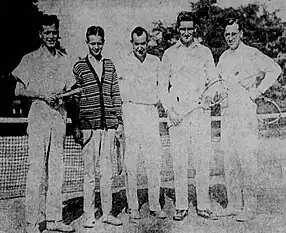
x=59 y=226
x=207 y=214
x=158 y=214
x=180 y=215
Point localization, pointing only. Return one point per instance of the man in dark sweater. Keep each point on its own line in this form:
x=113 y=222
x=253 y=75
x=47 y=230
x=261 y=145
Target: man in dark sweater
x=100 y=105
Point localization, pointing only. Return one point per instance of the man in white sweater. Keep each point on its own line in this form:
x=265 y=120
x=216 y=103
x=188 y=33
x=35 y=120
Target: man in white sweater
x=187 y=68
x=139 y=90
x=240 y=67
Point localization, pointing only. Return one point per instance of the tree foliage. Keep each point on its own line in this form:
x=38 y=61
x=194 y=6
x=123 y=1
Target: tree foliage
x=19 y=28
x=262 y=30
x=20 y=31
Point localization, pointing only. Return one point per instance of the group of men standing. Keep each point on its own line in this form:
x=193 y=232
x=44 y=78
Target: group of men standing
x=128 y=95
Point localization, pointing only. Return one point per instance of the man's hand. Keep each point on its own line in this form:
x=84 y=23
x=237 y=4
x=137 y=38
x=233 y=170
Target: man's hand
x=78 y=135
x=254 y=94
x=51 y=99
x=174 y=118
x=206 y=102
x=119 y=131
x=252 y=80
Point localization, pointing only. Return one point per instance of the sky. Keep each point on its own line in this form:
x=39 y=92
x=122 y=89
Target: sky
x=119 y=18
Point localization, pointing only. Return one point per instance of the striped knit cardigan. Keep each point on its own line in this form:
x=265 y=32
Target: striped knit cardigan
x=100 y=101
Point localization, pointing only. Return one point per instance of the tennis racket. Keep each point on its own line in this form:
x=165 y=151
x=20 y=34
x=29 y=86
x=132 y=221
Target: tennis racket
x=119 y=143
x=210 y=97
x=69 y=93
x=64 y=94
x=81 y=141
x=228 y=86
x=273 y=105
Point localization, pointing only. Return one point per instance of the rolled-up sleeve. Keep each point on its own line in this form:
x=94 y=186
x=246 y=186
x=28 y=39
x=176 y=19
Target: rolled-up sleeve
x=23 y=73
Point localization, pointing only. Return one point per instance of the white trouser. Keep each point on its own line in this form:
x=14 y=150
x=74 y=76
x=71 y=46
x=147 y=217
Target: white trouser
x=46 y=172
x=198 y=127
x=141 y=126
x=239 y=141
x=100 y=146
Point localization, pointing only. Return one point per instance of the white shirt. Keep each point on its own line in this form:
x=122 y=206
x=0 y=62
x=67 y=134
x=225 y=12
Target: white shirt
x=187 y=69
x=247 y=61
x=138 y=80
x=43 y=73
x=97 y=65
x=241 y=67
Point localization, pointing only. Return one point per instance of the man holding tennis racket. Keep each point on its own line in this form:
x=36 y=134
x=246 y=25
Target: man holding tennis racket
x=187 y=68
x=246 y=73
x=100 y=119
x=139 y=88
x=43 y=75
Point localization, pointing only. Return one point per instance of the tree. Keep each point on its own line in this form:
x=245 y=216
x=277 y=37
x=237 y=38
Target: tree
x=20 y=30
x=19 y=36
x=262 y=30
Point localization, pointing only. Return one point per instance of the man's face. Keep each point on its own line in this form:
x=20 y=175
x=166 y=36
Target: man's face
x=49 y=35
x=233 y=36
x=186 y=30
x=95 y=45
x=139 y=44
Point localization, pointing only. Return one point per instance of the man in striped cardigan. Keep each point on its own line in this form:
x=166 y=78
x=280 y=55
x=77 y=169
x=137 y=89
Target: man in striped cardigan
x=100 y=105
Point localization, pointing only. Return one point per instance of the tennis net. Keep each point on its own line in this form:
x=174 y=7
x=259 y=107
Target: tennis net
x=14 y=153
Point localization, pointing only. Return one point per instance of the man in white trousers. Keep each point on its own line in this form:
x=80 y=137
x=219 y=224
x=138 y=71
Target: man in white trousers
x=187 y=68
x=240 y=67
x=45 y=73
x=139 y=90
x=100 y=104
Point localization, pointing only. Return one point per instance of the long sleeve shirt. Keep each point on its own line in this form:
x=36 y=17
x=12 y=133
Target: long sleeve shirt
x=139 y=80
x=240 y=69
x=184 y=73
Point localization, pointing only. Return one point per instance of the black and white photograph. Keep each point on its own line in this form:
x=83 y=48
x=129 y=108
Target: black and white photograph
x=143 y=116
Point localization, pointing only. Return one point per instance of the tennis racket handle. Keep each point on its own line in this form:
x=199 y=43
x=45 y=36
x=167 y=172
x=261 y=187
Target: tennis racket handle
x=120 y=156
x=70 y=93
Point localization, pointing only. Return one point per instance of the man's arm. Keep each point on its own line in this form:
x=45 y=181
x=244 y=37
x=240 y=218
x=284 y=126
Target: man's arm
x=116 y=97
x=23 y=72
x=211 y=74
x=164 y=89
x=73 y=110
x=209 y=67
x=270 y=69
x=23 y=90
x=73 y=102
x=164 y=74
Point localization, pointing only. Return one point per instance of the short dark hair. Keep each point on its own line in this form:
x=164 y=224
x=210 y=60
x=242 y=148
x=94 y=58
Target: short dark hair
x=233 y=20
x=48 y=20
x=185 y=16
x=96 y=31
x=139 y=32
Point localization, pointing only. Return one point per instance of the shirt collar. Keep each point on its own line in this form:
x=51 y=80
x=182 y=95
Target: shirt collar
x=240 y=48
x=132 y=55
x=92 y=58
x=193 y=45
x=46 y=52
